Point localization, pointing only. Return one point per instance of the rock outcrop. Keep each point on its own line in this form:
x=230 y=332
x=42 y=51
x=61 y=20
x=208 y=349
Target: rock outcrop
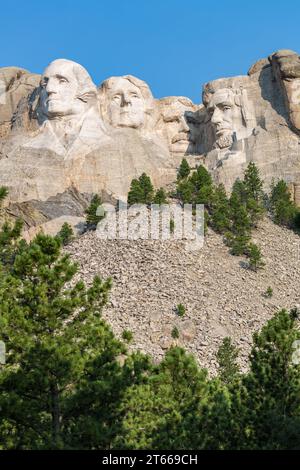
x=64 y=139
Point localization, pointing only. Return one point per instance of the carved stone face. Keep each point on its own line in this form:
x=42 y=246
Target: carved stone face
x=180 y=125
x=125 y=104
x=62 y=84
x=224 y=115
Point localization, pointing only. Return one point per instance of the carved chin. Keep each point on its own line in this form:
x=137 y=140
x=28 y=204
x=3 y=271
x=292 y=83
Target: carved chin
x=224 y=141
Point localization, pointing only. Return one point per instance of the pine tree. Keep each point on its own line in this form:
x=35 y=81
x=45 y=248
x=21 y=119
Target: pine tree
x=284 y=210
x=94 y=213
x=220 y=214
x=147 y=187
x=185 y=191
x=9 y=235
x=239 y=217
x=66 y=234
x=253 y=183
x=226 y=356
x=255 y=257
x=201 y=177
x=3 y=193
x=160 y=197
x=53 y=331
x=135 y=195
x=141 y=191
x=272 y=402
x=184 y=169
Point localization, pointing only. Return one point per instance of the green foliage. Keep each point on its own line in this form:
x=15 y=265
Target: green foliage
x=68 y=383
x=184 y=170
x=271 y=408
x=185 y=190
x=94 y=213
x=180 y=310
x=66 y=234
x=220 y=217
x=255 y=257
x=284 y=210
x=172 y=225
x=227 y=360
x=3 y=193
x=253 y=183
x=141 y=191
x=269 y=292
x=160 y=197
x=9 y=235
x=127 y=336
x=53 y=332
x=175 y=333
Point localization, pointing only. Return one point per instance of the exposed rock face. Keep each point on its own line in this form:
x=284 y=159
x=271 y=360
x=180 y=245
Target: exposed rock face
x=15 y=84
x=286 y=68
x=262 y=133
x=62 y=137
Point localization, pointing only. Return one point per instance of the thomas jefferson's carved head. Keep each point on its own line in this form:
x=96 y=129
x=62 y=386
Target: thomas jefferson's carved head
x=126 y=102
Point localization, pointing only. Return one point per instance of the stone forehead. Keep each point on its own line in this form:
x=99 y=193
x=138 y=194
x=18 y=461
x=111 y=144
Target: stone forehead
x=175 y=105
x=111 y=82
x=221 y=95
x=65 y=66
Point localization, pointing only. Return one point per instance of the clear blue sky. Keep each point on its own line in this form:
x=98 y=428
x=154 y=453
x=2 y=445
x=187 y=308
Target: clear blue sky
x=175 y=45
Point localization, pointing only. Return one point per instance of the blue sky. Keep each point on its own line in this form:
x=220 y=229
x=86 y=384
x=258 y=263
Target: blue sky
x=175 y=45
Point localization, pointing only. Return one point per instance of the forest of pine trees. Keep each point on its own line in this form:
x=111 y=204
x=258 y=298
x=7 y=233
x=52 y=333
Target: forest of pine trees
x=63 y=385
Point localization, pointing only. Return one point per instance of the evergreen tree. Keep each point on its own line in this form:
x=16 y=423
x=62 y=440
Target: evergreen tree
x=135 y=195
x=66 y=234
x=141 y=191
x=147 y=187
x=220 y=216
x=184 y=169
x=255 y=257
x=253 y=183
x=227 y=355
x=201 y=177
x=271 y=410
x=94 y=213
x=53 y=331
x=185 y=191
x=160 y=197
x=283 y=209
x=9 y=235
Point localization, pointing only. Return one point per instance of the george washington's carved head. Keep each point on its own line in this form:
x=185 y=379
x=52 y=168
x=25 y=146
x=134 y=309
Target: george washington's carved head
x=66 y=89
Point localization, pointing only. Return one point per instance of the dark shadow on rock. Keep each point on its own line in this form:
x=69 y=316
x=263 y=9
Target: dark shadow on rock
x=271 y=91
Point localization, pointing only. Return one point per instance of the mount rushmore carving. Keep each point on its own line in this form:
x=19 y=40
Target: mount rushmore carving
x=62 y=138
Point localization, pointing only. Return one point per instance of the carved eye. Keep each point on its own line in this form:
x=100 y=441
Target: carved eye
x=44 y=82
x=134 y=95
x=117 y=97
x=62 y=80
x=226 y=108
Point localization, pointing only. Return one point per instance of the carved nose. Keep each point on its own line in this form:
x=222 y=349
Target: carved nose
x=216 y=116
x=50 y=88
x=125 y=100
x=183 y=125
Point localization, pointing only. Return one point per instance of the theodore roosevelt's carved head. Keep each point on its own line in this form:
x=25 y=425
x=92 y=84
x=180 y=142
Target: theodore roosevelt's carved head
x=179 y=124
